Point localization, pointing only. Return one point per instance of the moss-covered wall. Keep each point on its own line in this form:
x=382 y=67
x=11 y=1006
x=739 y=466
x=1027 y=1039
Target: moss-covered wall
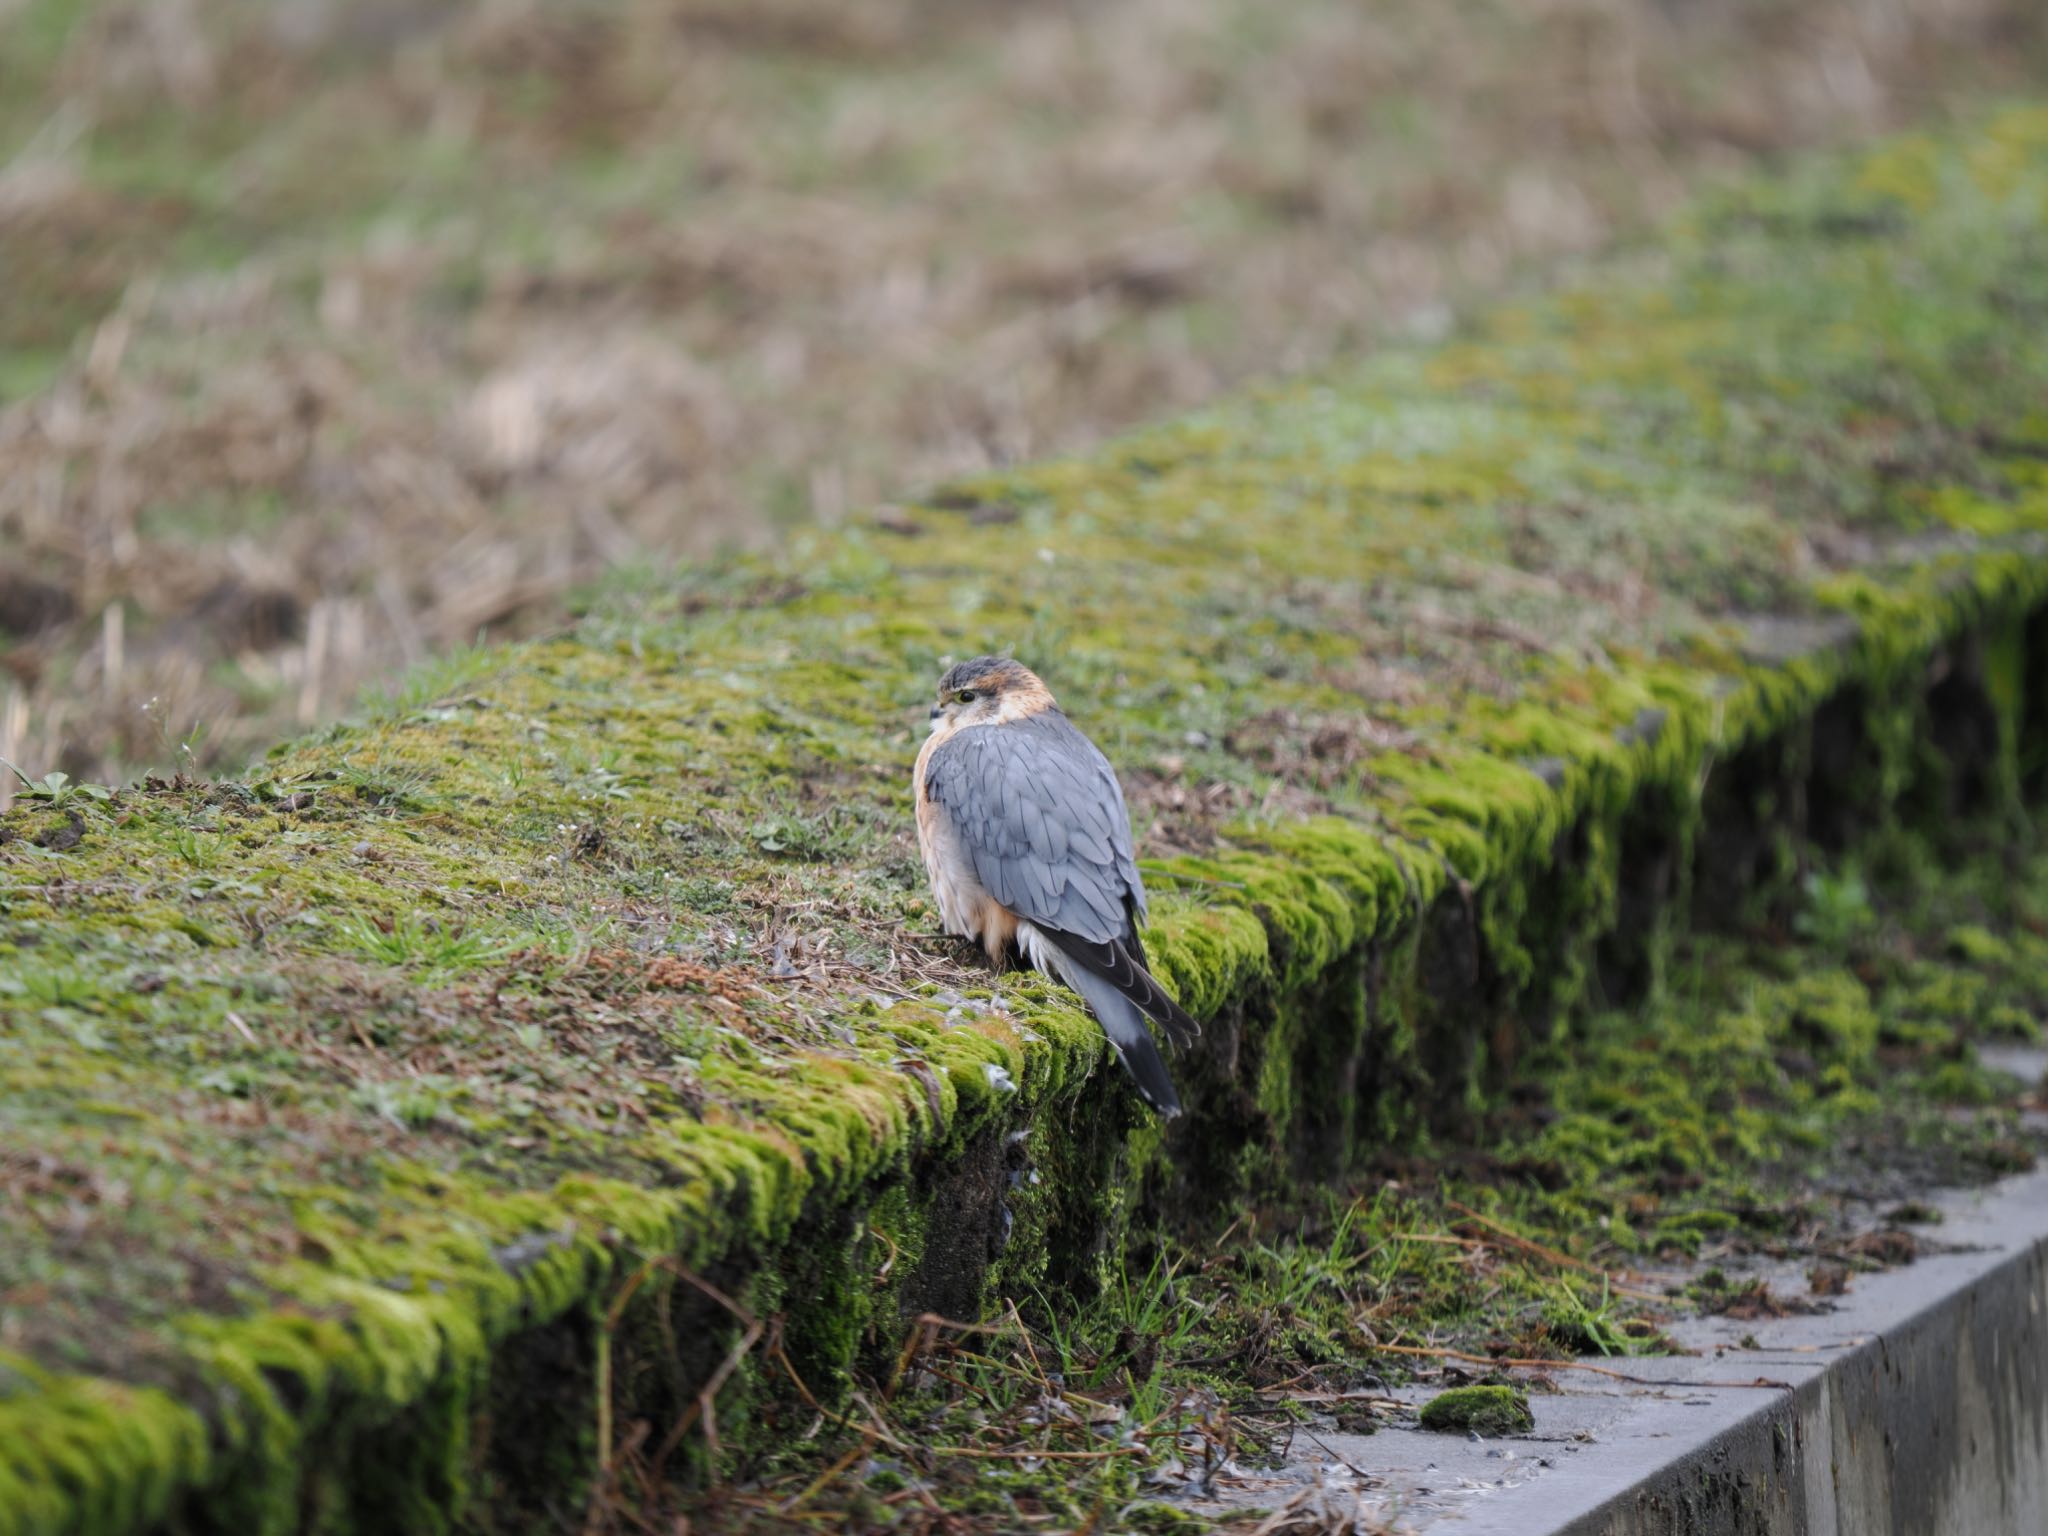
x=386 y=1135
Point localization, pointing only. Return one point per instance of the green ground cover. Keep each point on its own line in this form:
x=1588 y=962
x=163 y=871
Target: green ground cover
x=381 y=1129
x=1791 y=1096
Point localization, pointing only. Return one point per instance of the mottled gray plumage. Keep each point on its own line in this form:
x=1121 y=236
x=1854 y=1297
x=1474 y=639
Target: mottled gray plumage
x=1043 y=818
x=1040 y=816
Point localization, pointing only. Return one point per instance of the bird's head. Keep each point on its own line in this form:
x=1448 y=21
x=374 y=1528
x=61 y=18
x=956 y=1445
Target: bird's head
x=989 y=690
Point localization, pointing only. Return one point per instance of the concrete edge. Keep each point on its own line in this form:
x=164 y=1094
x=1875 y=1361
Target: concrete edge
x=1919 y=1405
x=1916 y=1402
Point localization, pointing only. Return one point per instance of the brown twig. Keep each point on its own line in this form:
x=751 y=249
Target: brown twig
x=607 y=1459
x=797 y=1501
x=1030 y=1349
x=781 y=1357
x=1519 y=1362
x=979 y=1453
x=1378 y=1399
x=926 y=1328
x=881 y=1275
x=1549 y=1254
x=1364 y=1477
x=706 y=1405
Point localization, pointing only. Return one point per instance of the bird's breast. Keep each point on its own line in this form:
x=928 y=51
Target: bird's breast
x=965 y=905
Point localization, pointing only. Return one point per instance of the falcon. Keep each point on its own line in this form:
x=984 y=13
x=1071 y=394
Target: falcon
x=1028 y=845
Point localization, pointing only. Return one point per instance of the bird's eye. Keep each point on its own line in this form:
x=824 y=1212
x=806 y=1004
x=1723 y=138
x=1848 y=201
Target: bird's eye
x=966 y=695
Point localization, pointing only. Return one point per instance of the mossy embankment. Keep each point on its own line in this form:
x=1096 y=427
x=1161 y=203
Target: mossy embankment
x=1782 y=1104
x=382 y=1134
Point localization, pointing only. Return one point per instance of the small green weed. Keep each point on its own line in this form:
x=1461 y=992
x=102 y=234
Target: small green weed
x=815 y=838
x=56 y=788
x=413 y=942
x=437 y=682
x=1837 y=906
x=397 y=786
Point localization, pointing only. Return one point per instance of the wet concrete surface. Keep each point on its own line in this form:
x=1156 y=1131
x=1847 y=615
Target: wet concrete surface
x=1918 y=1402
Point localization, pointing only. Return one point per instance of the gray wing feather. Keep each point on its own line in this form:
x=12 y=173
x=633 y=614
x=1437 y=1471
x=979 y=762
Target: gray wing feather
x=1043 y=819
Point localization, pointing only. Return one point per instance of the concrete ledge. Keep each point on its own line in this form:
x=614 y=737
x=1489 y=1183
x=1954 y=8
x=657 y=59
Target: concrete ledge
x=1936 y=1421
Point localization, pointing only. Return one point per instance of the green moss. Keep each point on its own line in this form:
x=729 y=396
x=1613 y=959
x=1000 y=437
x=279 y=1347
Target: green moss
x=1481 y=1410
x=354 y=1079
x=1732 y=1107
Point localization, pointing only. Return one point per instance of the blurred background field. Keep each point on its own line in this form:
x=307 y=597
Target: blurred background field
x=338 y=333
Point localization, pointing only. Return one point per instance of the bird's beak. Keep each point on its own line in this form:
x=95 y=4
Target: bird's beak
x=937 y=710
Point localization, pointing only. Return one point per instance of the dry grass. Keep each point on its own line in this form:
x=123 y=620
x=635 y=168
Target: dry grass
x=337 y=334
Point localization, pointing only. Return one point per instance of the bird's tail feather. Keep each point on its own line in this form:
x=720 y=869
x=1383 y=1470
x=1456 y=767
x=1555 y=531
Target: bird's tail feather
x=1116 y=964
x=1120 y=1018
x=1125 y=1026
